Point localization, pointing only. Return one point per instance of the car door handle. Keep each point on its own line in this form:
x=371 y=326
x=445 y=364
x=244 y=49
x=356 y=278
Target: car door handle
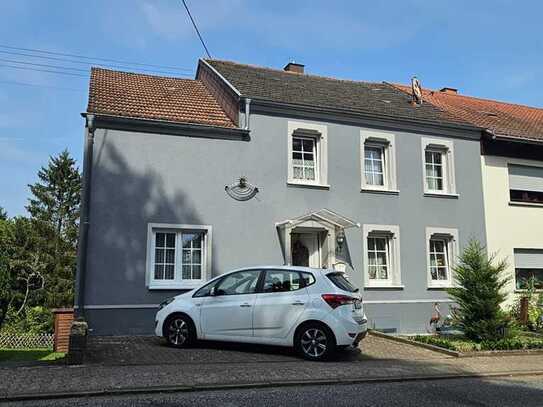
x=245 y=305
x=298 y=303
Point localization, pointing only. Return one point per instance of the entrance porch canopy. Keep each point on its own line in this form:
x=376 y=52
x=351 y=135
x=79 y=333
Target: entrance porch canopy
x=323 y=215
x=325 y=223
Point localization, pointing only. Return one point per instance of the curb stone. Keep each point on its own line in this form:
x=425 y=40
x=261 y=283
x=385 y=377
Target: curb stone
x=257 y=385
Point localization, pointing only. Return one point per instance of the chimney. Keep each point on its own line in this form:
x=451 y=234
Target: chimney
x=294 y=68
x=450 y=91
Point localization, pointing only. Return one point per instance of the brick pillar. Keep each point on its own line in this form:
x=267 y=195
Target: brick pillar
x=63 y=324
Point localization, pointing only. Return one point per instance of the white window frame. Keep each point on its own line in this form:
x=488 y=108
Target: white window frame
x=450 y=236
x=446 y=148
x=320 y=134
x=386 y=141
x=178 y=282
x=392 y=233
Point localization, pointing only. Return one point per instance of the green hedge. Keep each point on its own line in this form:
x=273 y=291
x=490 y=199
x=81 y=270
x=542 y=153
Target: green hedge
x=462 y=344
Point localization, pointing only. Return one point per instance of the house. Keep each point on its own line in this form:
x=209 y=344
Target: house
x=243 y=166
x=512 y=168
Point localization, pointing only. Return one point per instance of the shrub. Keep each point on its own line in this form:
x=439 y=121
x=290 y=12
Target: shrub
x=535 y=307
x=462 y=344
x=479 y=295
x=34 y=320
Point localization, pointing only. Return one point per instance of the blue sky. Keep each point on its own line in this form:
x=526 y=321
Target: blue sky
x=490 y=49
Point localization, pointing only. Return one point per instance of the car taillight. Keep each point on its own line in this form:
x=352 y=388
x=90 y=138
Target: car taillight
x=335 y=300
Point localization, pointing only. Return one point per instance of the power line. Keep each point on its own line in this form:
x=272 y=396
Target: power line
x=72 y=61
x=43 y=65
x=196 y=28
x=43 y=70
x=41 y=86
x=95 y=58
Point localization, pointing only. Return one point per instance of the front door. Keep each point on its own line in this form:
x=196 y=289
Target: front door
x=305 y=250
x=229 y=312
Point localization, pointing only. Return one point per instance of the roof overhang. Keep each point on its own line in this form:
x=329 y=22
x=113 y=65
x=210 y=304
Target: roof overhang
x=114 y=122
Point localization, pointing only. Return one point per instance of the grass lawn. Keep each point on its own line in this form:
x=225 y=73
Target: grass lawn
x=463 y=344
x=24 y=355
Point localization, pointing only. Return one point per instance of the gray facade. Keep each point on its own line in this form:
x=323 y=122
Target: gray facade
x=142 y=178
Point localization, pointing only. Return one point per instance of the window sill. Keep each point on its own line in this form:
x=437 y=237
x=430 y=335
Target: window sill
x=307 y=185
x=441 y=195
x=380 y=191
x=385 y=287
x=439 y=287
x=529 y=204
x=182 y=286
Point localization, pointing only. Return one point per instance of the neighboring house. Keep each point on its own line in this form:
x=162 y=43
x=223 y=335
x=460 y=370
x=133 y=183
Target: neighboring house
x=350 y=175
x=512 y=166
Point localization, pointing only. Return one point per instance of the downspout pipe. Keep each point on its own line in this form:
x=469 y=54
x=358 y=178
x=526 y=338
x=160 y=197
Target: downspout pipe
x=247 y=113
x=84 y=222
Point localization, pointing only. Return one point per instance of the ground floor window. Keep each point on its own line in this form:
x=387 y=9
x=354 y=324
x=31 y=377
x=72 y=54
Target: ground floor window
x=382 y=255
x=524 y=278
x=442 y=251
x=178 y=255
x=528 y=268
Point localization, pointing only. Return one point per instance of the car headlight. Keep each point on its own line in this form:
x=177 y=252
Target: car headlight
x=166 y=302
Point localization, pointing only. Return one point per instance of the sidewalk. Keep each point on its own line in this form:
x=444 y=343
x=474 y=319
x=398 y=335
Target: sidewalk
x=274 y=369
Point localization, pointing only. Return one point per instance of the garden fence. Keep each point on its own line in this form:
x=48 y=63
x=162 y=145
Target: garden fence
x=26 y=341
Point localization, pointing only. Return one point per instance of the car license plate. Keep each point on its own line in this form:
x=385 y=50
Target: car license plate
x=357 y=304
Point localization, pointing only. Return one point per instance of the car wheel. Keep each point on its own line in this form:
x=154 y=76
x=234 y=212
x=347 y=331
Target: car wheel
x=179 y=331
x=315 y=341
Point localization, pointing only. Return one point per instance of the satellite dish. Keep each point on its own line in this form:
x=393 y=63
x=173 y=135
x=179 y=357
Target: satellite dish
x=416 y=89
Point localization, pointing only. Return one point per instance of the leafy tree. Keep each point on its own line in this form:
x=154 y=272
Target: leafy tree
x=21 y=267
x=3 y=214
x=6 y=277
x=54 y=210
x=479 y=294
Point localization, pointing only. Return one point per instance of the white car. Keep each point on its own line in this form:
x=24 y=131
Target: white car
x=314 y=310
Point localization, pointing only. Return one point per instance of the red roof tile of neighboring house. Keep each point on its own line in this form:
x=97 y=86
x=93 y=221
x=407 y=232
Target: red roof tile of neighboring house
x=154 y=97
x=503 y=119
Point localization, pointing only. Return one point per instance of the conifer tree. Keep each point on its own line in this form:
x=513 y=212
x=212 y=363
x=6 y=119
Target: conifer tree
x=54 y=210
x=479 y=294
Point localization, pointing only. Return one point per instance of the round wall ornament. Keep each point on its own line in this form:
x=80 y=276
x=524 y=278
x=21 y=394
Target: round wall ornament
x=242 y=190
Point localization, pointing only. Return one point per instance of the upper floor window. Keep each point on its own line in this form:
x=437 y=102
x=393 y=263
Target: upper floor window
x=434 y=169
x=438 y=163
x=307 y=154
x=304 y=158
x=442 y=250
x=382 y=255
x=374 y=170
x=525 y=184
x=178 y=255
x=378 y=161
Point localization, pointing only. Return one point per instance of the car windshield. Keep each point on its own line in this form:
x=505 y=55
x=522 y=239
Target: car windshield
x=339 y=280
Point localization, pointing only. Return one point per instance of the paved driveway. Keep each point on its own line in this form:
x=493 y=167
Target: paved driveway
x=144 y=350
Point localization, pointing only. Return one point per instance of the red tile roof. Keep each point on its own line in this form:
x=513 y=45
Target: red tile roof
x=503 y=119
x=154 y=97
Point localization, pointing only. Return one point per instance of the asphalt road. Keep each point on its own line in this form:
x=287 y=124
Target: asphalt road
x=524 y=391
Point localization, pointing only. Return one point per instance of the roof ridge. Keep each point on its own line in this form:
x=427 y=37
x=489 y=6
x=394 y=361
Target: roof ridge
x=399 y=85
x=287 y=73
x=97 y=68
